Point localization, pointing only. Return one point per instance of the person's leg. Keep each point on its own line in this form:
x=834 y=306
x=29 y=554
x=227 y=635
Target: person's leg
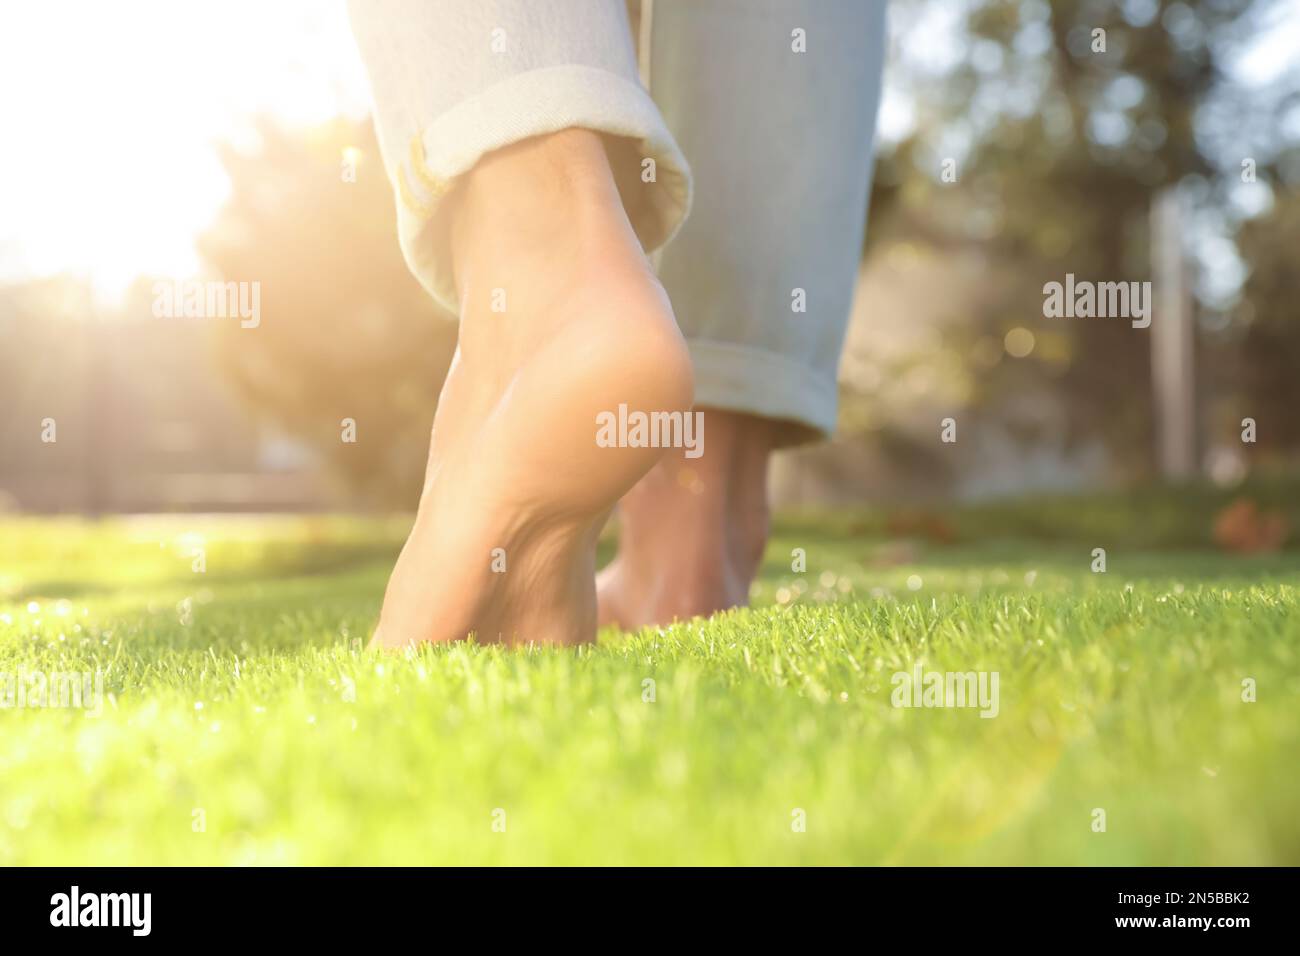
x=453 y=80
x=692 y=532
x=774 y=104
x=561 y=316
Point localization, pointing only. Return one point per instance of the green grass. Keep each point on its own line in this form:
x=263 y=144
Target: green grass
x=243 y=692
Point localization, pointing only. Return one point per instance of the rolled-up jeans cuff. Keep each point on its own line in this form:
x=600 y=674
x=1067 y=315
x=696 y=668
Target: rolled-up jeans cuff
x=529 y=104
x=755 y=381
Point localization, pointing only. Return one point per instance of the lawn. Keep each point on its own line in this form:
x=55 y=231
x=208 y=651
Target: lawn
x=244 y=723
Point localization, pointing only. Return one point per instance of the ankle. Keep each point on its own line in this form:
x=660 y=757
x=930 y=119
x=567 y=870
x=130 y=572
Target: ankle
x=531 y=196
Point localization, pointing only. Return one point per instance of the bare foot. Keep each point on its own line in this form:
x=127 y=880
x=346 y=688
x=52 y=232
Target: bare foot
x=692 y=532
x=561 y=319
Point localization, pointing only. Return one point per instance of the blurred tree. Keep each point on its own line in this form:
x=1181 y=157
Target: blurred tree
x=1270 y=315
x=1057 y=124
x=346 y=332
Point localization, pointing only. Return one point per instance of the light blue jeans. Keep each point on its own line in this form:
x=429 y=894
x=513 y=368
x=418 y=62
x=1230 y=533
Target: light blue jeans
x=754 y=122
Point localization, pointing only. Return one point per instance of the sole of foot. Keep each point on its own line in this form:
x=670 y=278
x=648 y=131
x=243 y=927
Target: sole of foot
x=562 y=321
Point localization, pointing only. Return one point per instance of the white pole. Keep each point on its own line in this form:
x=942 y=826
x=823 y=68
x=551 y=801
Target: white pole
x=1172 y=340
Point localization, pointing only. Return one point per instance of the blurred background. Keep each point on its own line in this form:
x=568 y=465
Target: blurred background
x=231 y=141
